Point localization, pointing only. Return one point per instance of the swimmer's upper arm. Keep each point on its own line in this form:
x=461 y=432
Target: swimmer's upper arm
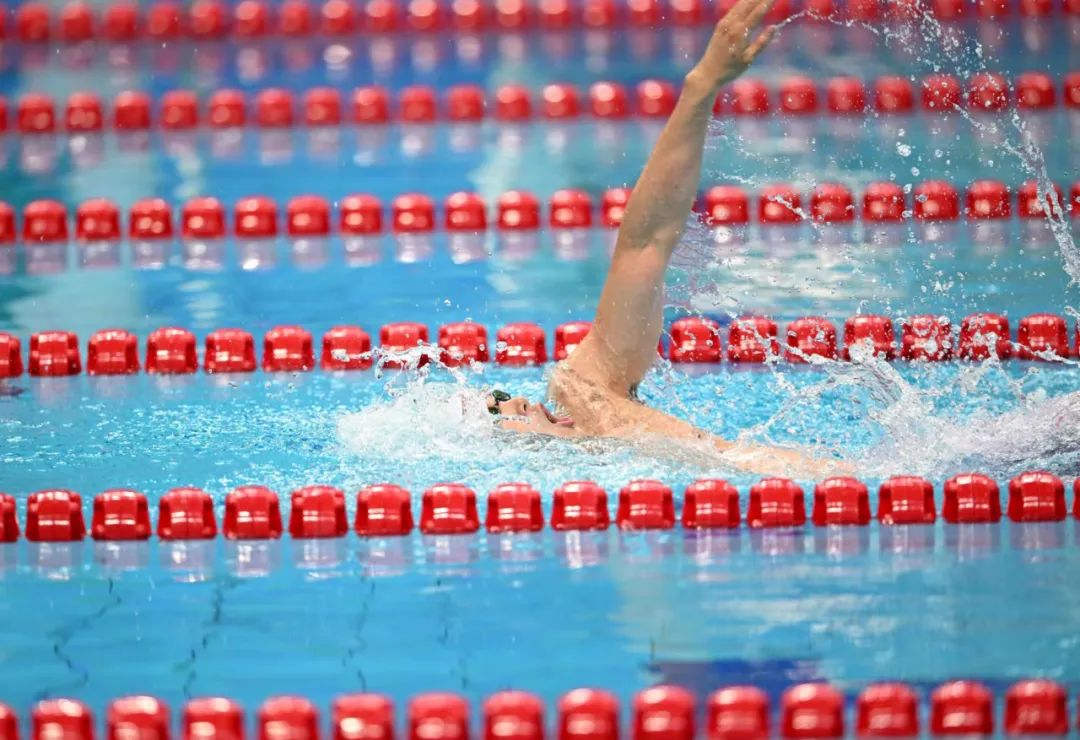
x=622 y=345
x=629 y=318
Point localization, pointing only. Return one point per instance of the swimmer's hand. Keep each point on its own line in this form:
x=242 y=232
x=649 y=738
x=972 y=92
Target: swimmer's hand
x=734 y=45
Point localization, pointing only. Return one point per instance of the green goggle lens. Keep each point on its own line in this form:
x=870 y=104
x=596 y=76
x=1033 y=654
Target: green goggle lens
x=500 y=397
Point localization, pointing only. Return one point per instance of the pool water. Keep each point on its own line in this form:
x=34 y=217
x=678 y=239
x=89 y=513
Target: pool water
x=551 y=611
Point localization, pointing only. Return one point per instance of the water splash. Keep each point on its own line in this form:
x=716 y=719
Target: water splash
x=933 y=429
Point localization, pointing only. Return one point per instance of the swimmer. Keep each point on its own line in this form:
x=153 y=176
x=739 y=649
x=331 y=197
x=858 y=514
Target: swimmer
x=596 y=386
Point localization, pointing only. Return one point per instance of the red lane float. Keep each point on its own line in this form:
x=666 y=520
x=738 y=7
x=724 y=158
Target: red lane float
x=798 y=96
x=832 y=203
x=906 y=499
x=186 y=514
x=346 y=348
x=1036 y=497
x=841 y=501
x=11 y=364
x=112 y=352
x=54 y=516
x=727 y=205
x=811 y=336
x=287 y=717
x=318 y=512
x=65 y=718
x=307 y=216
x=988 y=200
x=693 y=340
x=579 y=505
x=808 y=710
x=971 y=498
x=463 y=343
x=513 y=714
x=9 y=520
x=401 y=337
x=137 y=716
x=123 y=22
x=936 y=200
x=356 y=716
x=383 y=509
x=171 y=351
x=288 y=349
x=441 y=715
x=1036 y=707
x=275 y=108
x=883 y=203
x=514 y=507
x=776 y=502
x=255 y=218
x=449 y=508
x=983 y=336
x=738 y=713
x=212 y=716
x=645 y=504
x=894 y=95
x=1042 y=336
x=887 y=710
x=875 y=333
x=588 y=714
x=229 y=351
x=53 y=354
x=252 y=513
x=753 y=339
x=150 y=219
x=97 y=219
x=120 y=514
x=812 y=710
x=962 y=708
x=779 y=205
x=710 y=504
x=927 y=338
x=520 y=345
x=663 y=713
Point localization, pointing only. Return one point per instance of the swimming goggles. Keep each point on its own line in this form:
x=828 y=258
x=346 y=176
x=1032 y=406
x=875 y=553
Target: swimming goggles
x=500 y=397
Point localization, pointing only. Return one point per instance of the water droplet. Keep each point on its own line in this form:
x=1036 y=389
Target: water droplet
x=904 y=150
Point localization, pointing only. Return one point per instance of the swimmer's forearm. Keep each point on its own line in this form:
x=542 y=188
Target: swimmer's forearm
x=657 y=210
x=662 y=198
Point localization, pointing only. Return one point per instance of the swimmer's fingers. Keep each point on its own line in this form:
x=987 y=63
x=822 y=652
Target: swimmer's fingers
x=745 y=10
x=759 y=44
x=757 y=13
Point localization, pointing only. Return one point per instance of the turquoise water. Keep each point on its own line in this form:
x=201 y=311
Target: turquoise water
x=547 y=612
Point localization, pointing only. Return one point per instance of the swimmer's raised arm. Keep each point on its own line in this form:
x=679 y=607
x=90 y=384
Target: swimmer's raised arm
x=622 y=344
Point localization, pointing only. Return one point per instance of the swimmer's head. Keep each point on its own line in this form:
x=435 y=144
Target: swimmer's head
x=518 y=414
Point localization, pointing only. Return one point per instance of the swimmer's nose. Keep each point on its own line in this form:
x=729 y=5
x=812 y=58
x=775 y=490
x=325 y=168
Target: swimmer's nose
x=515 y=407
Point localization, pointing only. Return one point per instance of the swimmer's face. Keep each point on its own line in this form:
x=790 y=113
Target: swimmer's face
x=518 y=414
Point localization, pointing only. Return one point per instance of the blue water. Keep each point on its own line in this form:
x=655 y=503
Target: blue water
x=551 y=612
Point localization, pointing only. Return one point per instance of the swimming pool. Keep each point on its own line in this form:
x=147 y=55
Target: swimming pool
x=887 y=224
